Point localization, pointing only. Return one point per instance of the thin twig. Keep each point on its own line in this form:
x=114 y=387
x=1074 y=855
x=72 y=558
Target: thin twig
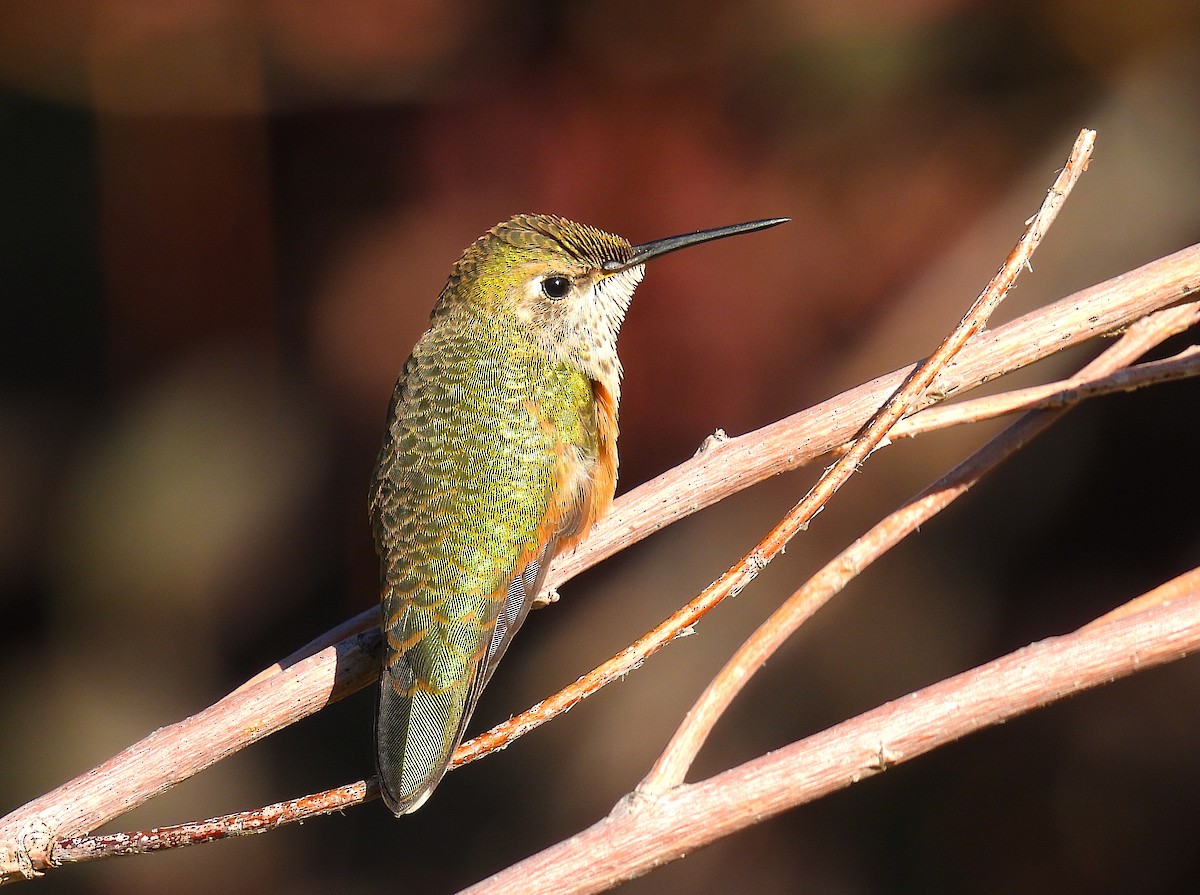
x=1184 y=365
x=243 y=823
x=685 y=744
x=1172 y=591
x=672 y=765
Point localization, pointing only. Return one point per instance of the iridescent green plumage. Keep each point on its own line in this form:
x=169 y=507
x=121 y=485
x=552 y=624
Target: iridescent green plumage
x=500 y=451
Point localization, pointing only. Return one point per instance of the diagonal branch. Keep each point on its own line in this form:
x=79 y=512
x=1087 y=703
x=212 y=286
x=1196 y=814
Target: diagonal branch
x=1183 y=365
x=681 y=751
x=644 y=833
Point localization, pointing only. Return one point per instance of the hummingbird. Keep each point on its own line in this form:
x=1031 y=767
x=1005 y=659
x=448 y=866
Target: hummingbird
x=500 y=452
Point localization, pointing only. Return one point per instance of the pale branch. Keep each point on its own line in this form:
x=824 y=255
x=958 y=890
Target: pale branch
x=643 y=833
x=1169 y=592
x=672 y=765
x=1184 y=365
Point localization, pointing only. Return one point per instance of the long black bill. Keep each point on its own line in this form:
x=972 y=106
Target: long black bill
x=647 y=250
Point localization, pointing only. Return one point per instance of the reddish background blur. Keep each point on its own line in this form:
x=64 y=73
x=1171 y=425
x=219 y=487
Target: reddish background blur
x=223 y=225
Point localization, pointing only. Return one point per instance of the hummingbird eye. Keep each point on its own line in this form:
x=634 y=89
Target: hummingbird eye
x=556 y=287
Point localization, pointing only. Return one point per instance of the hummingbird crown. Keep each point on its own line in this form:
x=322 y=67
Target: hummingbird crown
x=554 y=234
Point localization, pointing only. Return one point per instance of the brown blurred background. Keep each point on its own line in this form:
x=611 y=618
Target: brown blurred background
x=222 y=226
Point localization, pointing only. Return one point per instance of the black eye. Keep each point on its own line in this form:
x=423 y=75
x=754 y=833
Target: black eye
x=556 y=287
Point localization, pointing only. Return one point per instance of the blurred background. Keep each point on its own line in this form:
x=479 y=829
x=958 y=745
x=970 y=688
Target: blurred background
x=223 y=225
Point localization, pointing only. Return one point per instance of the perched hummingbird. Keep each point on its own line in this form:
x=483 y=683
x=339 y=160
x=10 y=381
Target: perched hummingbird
x=500 y=451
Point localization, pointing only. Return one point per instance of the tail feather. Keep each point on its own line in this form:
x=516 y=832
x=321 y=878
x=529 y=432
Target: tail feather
x=415 y=737
x=418 y=729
